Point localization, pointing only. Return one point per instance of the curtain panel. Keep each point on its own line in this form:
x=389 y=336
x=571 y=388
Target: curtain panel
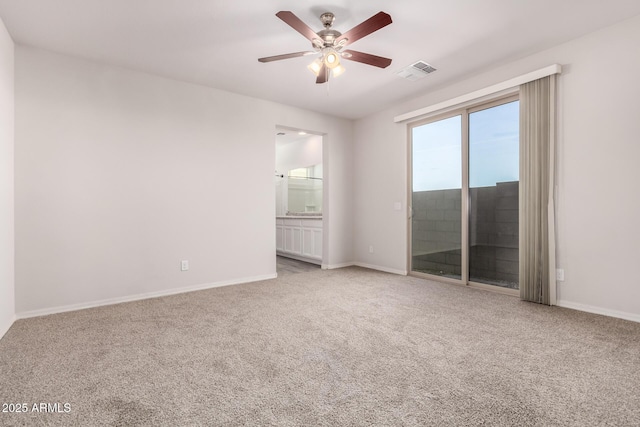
x=537 y=183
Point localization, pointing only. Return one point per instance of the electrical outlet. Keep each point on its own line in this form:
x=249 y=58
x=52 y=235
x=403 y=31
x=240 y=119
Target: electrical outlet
x=560 y=275
x=184 y=265
x=370 y=249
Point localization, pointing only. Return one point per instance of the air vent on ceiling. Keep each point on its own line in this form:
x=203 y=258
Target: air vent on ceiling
x=280 y=133
x=416 y=71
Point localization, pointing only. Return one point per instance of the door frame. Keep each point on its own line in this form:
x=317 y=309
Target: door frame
x=325 y=187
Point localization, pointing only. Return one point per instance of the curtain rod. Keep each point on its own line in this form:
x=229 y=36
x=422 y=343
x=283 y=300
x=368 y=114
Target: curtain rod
x=508 y=84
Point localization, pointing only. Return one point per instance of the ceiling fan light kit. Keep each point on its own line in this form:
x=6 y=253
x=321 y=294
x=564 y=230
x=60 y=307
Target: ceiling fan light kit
x=331 y=58
x=337 y=71
x=329 y=44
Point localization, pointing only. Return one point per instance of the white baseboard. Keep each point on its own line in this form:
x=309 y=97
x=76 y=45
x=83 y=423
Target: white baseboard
x=4 y=328
x=334 y=266
x=380 y=268
x=119 y=300
x=598 y=310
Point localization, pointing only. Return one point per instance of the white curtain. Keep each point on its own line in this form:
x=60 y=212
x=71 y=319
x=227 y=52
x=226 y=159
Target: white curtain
x=537 y=183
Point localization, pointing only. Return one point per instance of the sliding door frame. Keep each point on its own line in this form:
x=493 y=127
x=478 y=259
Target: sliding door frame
x=463 y=111
x=464 y=206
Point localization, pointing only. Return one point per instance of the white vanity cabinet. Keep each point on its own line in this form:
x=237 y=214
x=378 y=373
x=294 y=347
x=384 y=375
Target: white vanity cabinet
x=299 y=238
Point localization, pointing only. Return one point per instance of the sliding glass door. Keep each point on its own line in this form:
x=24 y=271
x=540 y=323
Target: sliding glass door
x=464 y=195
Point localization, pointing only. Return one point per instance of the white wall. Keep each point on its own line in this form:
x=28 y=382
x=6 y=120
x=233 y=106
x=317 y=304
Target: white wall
x=120 y=175
x=598 y=150
x=7 y=299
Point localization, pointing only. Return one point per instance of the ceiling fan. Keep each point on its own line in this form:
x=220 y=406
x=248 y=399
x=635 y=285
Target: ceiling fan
x=330 y=44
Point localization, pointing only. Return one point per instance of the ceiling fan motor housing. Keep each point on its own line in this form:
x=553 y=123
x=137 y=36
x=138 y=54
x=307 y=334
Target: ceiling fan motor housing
x=328 y=36
x=327 y=19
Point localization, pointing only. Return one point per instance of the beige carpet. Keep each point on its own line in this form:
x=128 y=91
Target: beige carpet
x=347 y=347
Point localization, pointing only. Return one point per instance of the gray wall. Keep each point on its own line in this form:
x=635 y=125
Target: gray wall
x=437 y=231
x=493 y=232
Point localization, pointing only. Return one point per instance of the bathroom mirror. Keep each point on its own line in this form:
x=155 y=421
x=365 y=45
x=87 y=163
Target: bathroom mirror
x=304 y=190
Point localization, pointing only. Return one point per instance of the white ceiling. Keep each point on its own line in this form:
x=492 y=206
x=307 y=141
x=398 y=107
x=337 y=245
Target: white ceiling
x=216 y=43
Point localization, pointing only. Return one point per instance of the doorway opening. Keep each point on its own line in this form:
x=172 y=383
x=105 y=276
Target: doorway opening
x=300 y=196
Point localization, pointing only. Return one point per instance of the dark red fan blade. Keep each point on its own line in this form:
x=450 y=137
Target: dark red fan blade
x=367 y=58
x=294 y=22
x=285 y=56
x=377 y=21
x=323 y=75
